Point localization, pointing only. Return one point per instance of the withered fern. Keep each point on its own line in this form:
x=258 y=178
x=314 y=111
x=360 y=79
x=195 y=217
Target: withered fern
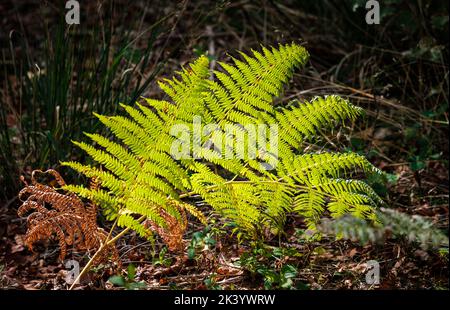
x=64 y=215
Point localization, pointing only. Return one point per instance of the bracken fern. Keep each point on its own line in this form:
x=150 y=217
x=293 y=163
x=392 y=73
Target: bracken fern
x=141 y=179
x=392 y=224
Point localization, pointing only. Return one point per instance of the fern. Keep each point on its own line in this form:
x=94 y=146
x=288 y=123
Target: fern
x=393 y=224
x=256 y=189
x=62 y=215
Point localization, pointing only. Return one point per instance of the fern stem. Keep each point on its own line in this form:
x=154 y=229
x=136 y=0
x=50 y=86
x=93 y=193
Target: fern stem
x=100 y=250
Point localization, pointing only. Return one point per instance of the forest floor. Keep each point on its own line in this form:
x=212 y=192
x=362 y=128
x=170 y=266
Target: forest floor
x=327 y=264
x=398 y=136
x=218 y=262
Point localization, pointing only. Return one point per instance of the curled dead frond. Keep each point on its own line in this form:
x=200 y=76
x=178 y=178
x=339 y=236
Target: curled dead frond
x=172 y=233
x=60 y=214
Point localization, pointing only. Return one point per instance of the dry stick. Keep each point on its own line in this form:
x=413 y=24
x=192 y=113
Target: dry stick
x=99 y=251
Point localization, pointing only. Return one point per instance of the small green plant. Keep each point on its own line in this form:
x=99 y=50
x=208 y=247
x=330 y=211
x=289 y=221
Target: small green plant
x=211 y=283
x=129 y=281
x=160 y=259
x=443 y=252
x=421 y=150
x=272 y=264
x=282 y=279
x=201 y=240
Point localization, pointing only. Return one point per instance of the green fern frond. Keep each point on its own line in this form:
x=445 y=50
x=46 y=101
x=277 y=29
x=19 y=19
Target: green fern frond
x=303 y=120
x=246 y=90
x=255 y=188
x=126 y=220
x=392 y=224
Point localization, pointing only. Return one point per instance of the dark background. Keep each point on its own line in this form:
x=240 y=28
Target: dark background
x=53 y=77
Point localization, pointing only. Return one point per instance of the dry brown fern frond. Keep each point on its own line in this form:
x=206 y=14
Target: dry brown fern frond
x=172 y=234
x=60 y=214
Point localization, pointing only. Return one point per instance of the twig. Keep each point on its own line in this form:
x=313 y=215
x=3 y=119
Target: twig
x=100 y=250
